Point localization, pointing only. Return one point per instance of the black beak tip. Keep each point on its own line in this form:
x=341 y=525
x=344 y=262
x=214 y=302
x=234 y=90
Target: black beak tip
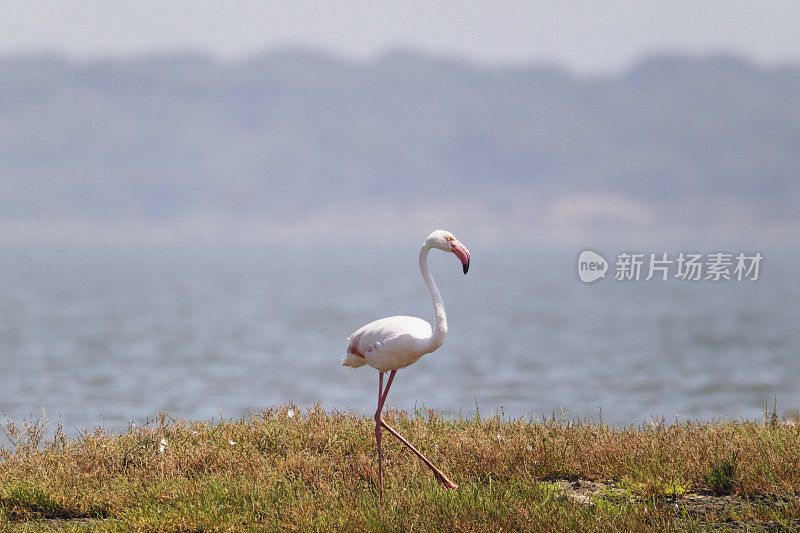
x=466 y=267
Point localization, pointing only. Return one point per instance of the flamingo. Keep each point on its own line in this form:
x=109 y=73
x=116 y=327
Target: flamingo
x=395 y=342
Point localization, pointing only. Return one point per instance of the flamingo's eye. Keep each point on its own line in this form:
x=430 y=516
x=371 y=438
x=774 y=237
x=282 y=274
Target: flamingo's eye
x=449 y=239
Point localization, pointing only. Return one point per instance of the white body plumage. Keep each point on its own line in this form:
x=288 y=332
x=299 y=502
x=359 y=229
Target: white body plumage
x=389 y=343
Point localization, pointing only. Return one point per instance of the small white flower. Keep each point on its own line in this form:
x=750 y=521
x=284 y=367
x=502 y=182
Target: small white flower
x=163 y=446
x=499 y=437
x=232 y=442
x=290 y=413
x=529 y=447
x=220 y=507
x=193 y=433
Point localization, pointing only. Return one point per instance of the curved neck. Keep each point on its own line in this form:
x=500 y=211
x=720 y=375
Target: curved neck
x=439 y=316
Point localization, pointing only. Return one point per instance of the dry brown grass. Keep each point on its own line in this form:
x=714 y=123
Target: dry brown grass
x=317 y=471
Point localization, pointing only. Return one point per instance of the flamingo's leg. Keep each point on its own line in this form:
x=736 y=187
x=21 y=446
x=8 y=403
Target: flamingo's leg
x=379 y=430
x=440 y=477
x=386 y=390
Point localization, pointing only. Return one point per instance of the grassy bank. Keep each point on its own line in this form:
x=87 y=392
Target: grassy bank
x=308 y=470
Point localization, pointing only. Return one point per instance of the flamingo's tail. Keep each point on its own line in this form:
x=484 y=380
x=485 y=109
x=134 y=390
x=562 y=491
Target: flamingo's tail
x=353 y=361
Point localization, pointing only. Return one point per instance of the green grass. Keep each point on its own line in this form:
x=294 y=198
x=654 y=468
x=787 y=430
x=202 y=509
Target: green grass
x=317 y=472
x=721 y=477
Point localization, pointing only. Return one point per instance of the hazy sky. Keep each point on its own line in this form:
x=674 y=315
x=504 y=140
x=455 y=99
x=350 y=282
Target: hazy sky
x=586 y=36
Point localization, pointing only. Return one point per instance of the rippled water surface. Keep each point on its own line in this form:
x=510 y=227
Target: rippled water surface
x=107 y=334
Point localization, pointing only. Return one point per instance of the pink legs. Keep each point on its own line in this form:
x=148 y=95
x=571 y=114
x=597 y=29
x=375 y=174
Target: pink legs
x=379 y=429
x=379 y=421
x=380 y=424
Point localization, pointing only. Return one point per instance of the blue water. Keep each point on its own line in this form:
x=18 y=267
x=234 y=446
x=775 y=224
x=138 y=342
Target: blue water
x=105 y=334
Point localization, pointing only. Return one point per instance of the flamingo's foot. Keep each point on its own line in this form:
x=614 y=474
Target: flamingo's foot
x=445 y=482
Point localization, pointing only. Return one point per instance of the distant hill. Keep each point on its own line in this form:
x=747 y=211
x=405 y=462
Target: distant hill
x=164 y=137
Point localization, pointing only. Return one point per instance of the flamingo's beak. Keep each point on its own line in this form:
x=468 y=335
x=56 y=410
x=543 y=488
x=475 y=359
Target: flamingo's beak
x=462 y=253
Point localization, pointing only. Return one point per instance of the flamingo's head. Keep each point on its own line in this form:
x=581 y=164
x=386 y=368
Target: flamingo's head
x=445 y=241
